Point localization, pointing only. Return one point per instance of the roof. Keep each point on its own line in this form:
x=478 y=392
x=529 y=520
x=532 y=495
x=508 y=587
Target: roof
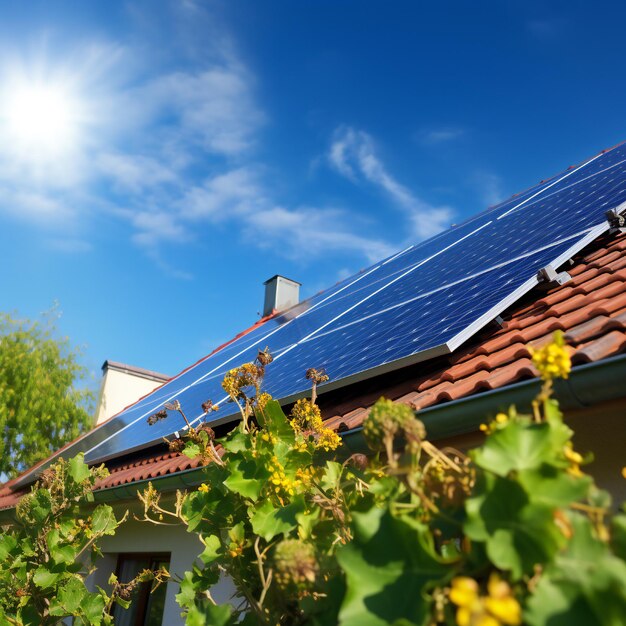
x=133 y=369
x=590 y=309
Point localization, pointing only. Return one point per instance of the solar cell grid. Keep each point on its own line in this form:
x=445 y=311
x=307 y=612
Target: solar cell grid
x=423 y=301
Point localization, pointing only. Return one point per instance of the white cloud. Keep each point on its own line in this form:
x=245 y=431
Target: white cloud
x=233 y=193
x=310 y=232
x=489 y=186
x=171 y=151
x=353 y=154
x=212 y=108
x=134 y=172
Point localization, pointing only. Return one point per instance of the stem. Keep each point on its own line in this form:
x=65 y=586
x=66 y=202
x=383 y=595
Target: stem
x=185 y=418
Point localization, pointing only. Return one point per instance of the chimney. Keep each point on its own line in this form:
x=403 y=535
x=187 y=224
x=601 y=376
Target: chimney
x=280 y=294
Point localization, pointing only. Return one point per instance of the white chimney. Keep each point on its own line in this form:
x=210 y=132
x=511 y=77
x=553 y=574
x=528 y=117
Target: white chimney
x=280 y=294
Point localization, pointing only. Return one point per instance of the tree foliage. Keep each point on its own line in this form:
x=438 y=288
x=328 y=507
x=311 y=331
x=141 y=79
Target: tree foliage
x=41 y=407
x=51 y=548
x=412 y=535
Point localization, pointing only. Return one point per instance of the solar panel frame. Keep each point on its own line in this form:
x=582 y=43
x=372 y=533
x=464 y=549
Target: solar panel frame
x=95 y=439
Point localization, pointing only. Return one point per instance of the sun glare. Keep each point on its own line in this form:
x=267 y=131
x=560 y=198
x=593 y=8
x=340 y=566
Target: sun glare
x=41 y=120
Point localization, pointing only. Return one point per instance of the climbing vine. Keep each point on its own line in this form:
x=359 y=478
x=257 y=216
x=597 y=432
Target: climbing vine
x=511 y=532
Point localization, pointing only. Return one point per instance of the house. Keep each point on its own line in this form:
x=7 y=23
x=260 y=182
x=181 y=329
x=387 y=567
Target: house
x=122 y=385
x=453 y=393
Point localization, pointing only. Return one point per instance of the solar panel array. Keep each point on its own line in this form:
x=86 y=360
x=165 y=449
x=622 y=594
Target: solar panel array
x=421 y=302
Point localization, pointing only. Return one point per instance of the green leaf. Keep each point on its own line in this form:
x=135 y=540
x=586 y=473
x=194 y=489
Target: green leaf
x=553 y=486
x=103 y=520
x=618 y=536
x=44 y=578
x=268 y=521
x=77 y=468
x=247 y=476
x=522 y=445
x=93 y=607
x=332 y=475
x=211 y=550
x=275 y=421
x=517 y=532
x=209 y=614
x=389 y=565
x=236 y=441
x=40 y=504
x=586 y=584
x=191 y=450
x=60 y=552
x=71 y=595
x=7 y=544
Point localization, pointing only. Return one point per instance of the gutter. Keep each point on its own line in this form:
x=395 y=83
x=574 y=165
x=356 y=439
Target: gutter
x=587 y=385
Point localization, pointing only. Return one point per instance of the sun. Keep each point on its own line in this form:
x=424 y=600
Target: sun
x=41 y=120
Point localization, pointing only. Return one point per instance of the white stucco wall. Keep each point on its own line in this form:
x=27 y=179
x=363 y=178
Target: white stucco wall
x=119 y=389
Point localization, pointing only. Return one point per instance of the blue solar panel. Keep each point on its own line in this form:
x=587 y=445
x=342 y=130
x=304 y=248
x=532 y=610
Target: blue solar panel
x=424 y=301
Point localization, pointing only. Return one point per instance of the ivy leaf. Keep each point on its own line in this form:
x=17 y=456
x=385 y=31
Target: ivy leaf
x=77 y=468
x=585 y=585
x=274 y=420
x=40 y=505
x=191 y=450
x=522 y=445
x=71 y=595
x=618 y=536
x=388 y=566
x=60 y=552
x=7 y=544
x=554 y=487
x=93 y=608
x=44 y=578
x=103 y=520
x=332 y=475
x=211 y=550
x=518 y=533
x=206 y=613
x=247 y=477
x=236 y=441
x=268 y=521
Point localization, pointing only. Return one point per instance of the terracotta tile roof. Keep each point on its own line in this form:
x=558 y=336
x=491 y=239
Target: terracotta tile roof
x=590 y=309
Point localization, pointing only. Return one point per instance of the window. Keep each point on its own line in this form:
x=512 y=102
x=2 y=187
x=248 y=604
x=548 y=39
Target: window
x=146 y=608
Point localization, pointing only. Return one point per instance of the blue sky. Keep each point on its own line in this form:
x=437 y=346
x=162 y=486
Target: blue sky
x=189 y=150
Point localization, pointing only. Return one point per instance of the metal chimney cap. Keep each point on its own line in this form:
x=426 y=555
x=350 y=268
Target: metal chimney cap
x=269 y=280
x=280 y=294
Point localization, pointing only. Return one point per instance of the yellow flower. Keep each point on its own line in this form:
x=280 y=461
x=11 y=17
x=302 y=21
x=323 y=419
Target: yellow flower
x=306 y=416
x=623 y=472
x=263 y=399
x=328 y=439
x=246 y=375
x=553 y=360
x=204 y=488
x=306 y=419
x=464 y=591
x=498 y=608
x=268 y=437
x=574 y=458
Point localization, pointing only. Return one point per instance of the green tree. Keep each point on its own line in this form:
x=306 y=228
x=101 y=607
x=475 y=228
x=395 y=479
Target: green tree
x=41 y=405
x=52 y=546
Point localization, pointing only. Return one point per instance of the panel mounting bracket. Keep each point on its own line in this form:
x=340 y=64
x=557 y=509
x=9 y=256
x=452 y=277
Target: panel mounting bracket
x=550 y=277
x=616 y=219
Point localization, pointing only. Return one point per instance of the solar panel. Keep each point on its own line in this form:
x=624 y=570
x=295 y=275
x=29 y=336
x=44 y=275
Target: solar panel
x=422 y=302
